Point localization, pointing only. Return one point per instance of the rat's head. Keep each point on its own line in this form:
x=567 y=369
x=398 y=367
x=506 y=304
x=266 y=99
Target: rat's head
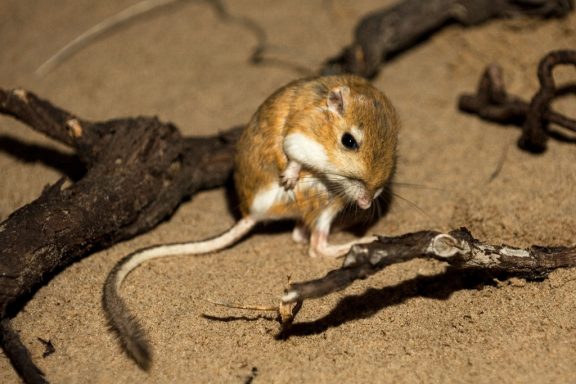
x=357 y=133
x=362 y=143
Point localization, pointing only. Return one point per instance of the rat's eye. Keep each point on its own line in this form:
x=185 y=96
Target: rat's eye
x=349 y=141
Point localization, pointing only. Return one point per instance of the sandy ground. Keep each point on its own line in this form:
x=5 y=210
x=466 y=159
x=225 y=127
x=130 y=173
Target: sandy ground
x=413 y=323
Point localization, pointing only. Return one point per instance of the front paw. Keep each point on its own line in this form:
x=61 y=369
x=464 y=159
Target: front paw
x=288 y=181
x=289 y=177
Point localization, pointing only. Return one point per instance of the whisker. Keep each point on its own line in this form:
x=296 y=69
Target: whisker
x=417 y=186
x=378 y=209
x=415 y=206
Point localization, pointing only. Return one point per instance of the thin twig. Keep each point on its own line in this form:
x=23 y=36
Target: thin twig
x=258 y=56
x=248 y=307
x=98 y=30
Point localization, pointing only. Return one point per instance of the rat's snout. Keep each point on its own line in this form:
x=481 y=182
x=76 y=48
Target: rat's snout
x=364 y=201
x=360 y=193
x=365 y=198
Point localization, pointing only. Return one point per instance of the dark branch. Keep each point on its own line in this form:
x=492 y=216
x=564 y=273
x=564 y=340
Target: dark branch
x=458 y=248
x=19 y=355
x=138 y=171
x=384 y=33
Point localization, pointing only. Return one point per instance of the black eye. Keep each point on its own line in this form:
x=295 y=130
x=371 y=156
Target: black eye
x=349 y=141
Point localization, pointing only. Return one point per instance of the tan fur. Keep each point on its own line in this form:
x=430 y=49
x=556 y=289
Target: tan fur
x=301 y=107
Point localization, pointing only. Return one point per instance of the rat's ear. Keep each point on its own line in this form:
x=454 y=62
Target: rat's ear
x=338 y=99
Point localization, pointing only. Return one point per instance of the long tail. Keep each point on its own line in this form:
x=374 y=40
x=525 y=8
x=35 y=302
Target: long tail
x=130 y=333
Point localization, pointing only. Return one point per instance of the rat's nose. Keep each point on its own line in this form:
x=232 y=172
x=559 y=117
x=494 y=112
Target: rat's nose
x=364 y=201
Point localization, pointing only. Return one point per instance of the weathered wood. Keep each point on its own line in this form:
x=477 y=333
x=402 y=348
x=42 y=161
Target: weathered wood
x=458 y=248
x=384 y=33
x=138 y=170
x=492 y=102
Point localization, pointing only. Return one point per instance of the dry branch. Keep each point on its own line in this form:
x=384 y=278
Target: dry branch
x=458 y=248
x=138 y=170
x=384 y=33
x=492 y=102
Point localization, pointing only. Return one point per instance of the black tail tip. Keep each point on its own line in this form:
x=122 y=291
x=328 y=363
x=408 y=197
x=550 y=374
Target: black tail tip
x=141 y=355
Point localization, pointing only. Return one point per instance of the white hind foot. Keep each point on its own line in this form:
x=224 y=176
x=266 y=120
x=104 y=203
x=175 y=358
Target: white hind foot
x=300 y=234
x=319 y=246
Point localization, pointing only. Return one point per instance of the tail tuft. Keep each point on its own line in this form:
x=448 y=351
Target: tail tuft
x=134 y=341
x=131 y=334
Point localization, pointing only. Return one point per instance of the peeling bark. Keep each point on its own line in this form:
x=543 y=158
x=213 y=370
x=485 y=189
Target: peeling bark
x=138 y=170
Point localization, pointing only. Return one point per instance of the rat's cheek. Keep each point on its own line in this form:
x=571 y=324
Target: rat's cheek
x=306 y=151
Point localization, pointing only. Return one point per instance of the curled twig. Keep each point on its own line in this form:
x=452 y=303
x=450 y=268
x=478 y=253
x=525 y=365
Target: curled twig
x=258 y=55
x=144 y=7
x=492 y=102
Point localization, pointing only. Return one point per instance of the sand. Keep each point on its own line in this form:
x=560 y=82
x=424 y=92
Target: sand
x=412 y=323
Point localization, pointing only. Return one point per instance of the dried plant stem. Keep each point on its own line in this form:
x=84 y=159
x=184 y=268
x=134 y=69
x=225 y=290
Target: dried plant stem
x=99 y=29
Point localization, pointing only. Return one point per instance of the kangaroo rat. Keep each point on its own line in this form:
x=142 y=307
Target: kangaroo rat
x=312 y=149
